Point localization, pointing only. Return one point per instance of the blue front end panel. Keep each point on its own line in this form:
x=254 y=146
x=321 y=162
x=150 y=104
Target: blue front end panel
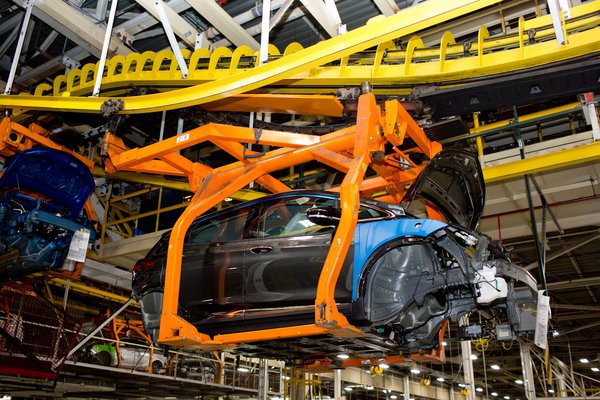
x=368 y=237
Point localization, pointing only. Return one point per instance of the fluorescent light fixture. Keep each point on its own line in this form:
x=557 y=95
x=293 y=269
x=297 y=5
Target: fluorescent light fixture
x=462 y=385
x=348 y=389
x=343 y=356
x=415 y=371
x=555 y=333
x=369 y=388
x=519 y=382
x=495 y=367
x=584 y=360
x=550 y=390
x=384 y=366
x=393 y=397
x=506 y=397
x=242 y=369
x=494 y=394
x=479 y=389
x=440 y=379
x=445 y=343
x=474 y=357
x=595 y=369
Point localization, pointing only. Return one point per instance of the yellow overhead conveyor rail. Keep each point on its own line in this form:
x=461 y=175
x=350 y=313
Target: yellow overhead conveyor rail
x=387 y=65
x=309 y=66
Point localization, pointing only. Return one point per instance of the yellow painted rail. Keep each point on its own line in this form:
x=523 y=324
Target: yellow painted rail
x=334 y=63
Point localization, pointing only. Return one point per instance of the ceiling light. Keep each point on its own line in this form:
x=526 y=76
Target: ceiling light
x=243 y=369
x=506 y=397
x=519 y=382
x=584 y=360
x=494 y=394
x=343 y=356
x=393 y=397
x=462 y=385
x=440 y=379
x=415 y=371
x=348 y=389
x=555 y=333
x=479 y=389
x=474 y=357
x=495 y=367
x=550 y=390
x=444 y=343
x=595 y=369
x=384 y=366
x=369 y=388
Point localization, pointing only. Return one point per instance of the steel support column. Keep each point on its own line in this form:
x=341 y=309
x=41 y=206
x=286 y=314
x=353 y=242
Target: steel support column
x=557 y=21
x=467 y=363
x=562 y=386
x=15 y=61
x=527 y=366
x=164 y=19
x=263 y=379
x=337 y=384
x=264 y=32
x=100 y=12
x=406 y=387
x=104 y=54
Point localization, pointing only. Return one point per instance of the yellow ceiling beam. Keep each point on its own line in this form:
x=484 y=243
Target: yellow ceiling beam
x=545 y=162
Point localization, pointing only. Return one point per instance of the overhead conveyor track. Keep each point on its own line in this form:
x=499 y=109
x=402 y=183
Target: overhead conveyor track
x=330 y=64
x=387 y=65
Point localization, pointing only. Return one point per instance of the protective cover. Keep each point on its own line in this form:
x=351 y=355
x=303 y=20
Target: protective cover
x=52 y=173
x=452 y=182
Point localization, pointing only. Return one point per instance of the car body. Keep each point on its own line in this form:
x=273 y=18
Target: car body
x=135 y=354
x=42 y=194
x=256 y=265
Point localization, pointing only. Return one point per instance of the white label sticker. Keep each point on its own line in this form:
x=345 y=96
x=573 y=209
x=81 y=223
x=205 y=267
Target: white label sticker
x=541 y=321
x=79 y=245
x=183 y=138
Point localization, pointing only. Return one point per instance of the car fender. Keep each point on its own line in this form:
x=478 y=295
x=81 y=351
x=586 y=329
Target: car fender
x=371 y=236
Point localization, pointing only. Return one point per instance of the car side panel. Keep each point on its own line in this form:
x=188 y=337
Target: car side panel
x=371 y=235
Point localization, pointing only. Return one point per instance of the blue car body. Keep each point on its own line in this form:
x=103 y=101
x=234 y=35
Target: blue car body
x=42 y=194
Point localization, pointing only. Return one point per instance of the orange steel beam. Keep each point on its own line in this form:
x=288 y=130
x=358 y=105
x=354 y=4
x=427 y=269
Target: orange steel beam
x=351 y=150
x=15 y=138
x=327 y=106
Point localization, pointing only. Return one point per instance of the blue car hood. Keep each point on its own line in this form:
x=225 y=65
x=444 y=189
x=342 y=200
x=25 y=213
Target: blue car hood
x=52 y=173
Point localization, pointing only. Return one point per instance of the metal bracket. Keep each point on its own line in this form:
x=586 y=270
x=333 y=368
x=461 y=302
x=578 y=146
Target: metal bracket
x=111 y=107
x=70 y=64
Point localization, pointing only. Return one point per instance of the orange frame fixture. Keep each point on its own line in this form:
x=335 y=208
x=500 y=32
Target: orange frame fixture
x=351 y=150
